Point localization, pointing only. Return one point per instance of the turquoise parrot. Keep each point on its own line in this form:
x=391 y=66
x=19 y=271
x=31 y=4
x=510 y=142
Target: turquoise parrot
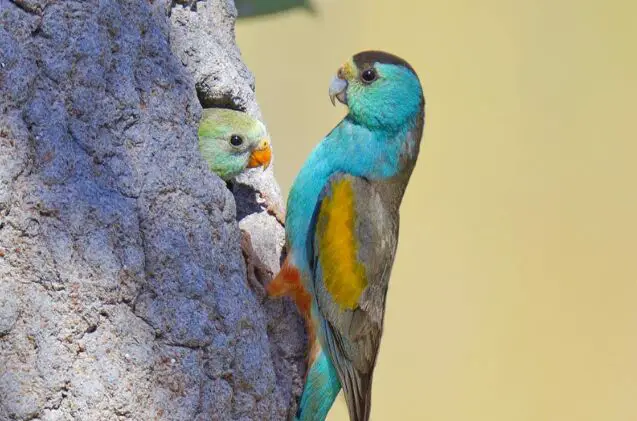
x=231 y=141
x=342 y=228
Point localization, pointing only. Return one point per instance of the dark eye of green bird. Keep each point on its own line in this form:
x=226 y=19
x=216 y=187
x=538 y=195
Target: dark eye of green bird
x=368 y=75
x=236 y=140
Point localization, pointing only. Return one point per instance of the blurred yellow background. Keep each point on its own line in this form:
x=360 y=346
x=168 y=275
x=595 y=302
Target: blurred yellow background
x=514 y=292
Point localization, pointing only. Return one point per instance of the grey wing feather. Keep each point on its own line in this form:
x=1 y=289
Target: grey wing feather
x=357 y=385
x=352 y=337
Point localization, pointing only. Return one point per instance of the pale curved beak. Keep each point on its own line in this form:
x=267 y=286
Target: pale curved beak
x=338 y=90
x=261 y=156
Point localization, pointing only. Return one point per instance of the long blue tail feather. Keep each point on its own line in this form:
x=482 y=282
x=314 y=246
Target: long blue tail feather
x=321 y=388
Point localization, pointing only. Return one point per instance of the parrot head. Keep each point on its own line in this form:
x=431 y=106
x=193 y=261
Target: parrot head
x=380 y=89
x=231 y=141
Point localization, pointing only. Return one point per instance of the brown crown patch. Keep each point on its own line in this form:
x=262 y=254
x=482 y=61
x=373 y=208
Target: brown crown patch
x=368 y=58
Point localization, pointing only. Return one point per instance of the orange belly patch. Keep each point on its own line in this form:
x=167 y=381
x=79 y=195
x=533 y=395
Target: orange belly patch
x=288 y=283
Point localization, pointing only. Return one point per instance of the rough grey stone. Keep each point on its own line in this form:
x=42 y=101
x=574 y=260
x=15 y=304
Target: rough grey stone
x=123 y=290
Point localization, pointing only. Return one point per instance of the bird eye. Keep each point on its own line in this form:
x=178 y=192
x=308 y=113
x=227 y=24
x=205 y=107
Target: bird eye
x=369 y=75
x=236 y=140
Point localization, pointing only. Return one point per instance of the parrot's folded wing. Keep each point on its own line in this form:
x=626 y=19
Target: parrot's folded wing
x=357 y=385
x=352 y=251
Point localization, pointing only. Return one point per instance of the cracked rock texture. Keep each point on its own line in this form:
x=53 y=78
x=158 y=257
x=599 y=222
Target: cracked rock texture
x=123 y=289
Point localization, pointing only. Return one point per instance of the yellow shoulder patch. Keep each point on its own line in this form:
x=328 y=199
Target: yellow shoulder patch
x=343 y=275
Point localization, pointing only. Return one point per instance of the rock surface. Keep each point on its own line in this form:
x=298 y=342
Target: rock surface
x=123 y=289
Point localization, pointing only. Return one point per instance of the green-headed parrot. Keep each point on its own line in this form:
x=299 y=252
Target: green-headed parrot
x=342 y=228
x=231 y=141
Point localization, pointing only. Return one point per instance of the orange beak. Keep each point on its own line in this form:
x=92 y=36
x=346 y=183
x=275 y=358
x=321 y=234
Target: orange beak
x=261 y=156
